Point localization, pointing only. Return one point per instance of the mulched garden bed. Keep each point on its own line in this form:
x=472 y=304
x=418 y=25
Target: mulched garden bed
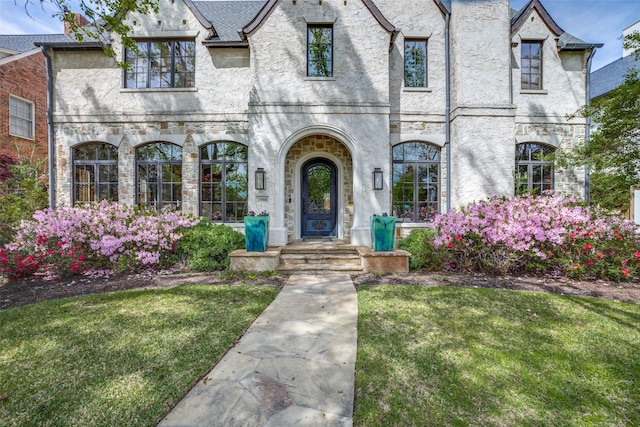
x=36 y=289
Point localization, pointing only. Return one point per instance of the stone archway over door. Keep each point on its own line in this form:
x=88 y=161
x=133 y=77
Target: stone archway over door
x=319 y=201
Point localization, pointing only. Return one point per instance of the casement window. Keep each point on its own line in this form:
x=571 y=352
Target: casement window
x=161 y=64
x=534 y=169
x=416 y=181
x=415 y=63
x=531 y=65
x=159 y=175
x=21 y=122
x=223 y=181
x=320 y=51
x=95 y=173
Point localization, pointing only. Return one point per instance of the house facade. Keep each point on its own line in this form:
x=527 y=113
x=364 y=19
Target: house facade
x=321 y=112
x=23 y=97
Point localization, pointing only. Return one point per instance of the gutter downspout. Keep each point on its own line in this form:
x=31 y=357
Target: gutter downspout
x=587 y=130
x=51 y=143
x=447 y=111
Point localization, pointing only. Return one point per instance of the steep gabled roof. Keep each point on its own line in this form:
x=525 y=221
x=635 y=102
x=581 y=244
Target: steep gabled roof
x=268 y=7
x=521 y=17
x=566 y=41
x=229 y=17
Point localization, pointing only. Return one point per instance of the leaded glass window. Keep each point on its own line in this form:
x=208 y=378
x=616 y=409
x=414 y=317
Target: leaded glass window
x=320 y=51
x=159 y=175
x=531 y=66
x=534 y=169
x=415 y=63
x=161 y=64
x=416 y=181
x=95 y=173
x=223 y=181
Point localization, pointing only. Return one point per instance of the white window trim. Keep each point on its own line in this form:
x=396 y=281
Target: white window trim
x=33 y=118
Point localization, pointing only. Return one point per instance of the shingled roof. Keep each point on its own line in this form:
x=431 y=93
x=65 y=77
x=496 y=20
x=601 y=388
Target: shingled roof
x=609 y=77
x=27 y=42
x=229 y=17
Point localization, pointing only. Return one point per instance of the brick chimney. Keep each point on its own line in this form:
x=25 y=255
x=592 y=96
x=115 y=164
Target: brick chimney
x=80 y=19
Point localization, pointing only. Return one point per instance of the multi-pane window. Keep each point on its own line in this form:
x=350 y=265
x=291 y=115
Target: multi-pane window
x=416 y=181
x=534 y=169
x=95 y=173
x=161 y=64
x=223 y=181
x=20 y=117
x=320 y=51
x=415 y=63
x=531 y=65
x=159 y=175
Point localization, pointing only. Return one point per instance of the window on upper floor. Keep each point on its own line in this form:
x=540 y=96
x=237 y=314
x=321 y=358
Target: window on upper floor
x=161 y=64
x=95 y=175
x=416 y=181
x=320 y=51
x=223 y=181
x=531 y=65
x=415 y=63
x=21 y=121
x=534 y=169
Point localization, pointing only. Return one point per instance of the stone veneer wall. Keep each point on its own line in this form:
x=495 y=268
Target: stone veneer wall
x=319 y=144
x=127 y=137
x=568 y=181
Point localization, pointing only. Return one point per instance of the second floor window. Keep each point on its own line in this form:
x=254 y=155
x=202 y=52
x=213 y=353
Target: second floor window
x=320 y=51
x=161 y=64
x=20 y=117
x=415 y=63
x=531 y=66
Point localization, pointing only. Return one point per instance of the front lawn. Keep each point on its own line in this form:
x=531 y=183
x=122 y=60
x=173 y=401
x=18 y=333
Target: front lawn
x=119 y=359
x=459 y=357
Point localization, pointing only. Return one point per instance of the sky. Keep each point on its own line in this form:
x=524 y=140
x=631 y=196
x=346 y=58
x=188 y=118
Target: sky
x=594 y=21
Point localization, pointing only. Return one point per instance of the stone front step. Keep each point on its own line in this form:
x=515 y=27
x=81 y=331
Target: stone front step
x=320 y=267
x=317 y=258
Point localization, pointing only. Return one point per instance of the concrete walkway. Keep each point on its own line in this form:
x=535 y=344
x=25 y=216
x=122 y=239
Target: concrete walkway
x=294 y=366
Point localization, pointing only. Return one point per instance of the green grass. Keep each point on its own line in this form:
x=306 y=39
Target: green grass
x=478 y=357
x=119 y=359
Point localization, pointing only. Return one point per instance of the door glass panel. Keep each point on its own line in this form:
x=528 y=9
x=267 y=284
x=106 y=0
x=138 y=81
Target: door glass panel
x=319 y=192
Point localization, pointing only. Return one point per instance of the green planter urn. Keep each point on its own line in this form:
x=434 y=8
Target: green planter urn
x=383 y=232
x=256 y=233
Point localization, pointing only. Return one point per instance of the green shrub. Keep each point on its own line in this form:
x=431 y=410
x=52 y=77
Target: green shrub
x=424 y=256
x=27 y=198
x=206 y=246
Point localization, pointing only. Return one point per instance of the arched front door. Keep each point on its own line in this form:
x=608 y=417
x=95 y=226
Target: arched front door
x=319 y=198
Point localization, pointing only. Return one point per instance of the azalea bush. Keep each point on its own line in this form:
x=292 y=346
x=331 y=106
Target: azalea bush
x=543 y=234
x=103 y=234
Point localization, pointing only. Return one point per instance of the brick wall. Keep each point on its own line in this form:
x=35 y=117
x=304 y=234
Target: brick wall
x=25 y=78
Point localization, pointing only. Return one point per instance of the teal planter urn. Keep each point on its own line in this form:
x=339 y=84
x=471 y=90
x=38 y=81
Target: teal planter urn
x=383 y=232
x=256 y=233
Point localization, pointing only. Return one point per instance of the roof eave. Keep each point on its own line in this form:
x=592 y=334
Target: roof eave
x=242 y=44
x=71 y=45
x=580 y=46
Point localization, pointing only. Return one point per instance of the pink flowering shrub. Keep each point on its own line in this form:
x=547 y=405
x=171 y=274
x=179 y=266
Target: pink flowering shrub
x=110 y=235
x=550 y=234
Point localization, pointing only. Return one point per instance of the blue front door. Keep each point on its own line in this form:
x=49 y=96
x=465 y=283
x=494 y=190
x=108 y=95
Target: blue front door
x=319 y=198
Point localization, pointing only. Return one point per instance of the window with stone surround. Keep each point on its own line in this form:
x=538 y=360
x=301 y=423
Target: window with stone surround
x=531 y=65
x=416 y=181
x=223 y=181
x=159 y=175
x=415 y=63
x=160 y=64
x=534 y=168
x=320 y=50
x=21 y=123
x=95 y=173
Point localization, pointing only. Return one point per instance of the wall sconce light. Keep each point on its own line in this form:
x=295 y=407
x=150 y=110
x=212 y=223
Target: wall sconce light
x=260 y=179
x=377 y=179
